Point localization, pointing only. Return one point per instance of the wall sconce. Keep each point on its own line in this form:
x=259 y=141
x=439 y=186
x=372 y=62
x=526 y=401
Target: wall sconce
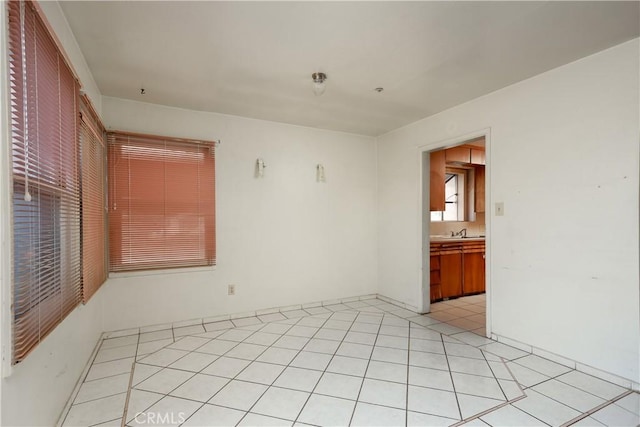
x=320 y=177
x=260 y=168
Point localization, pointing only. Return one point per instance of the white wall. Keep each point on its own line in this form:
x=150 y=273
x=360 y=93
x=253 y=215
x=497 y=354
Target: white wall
x=283 y=239
x=62 y=30
x=49 y=374
x=4 y=196
x=564 y=160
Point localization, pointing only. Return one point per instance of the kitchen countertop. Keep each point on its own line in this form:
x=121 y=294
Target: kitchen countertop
x=440 y=239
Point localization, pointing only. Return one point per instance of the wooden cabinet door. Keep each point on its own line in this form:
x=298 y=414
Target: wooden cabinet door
x=434 y=282
x=474 y=270
x=479 y=201
x=436 y=185
x=458 y=154
x=477 y=156
x=451 y=271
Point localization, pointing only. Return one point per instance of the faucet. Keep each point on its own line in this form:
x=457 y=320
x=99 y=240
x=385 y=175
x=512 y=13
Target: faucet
x=461 y=233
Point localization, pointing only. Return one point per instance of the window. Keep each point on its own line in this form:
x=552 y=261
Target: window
x=454 y=197
x=94 y=218
x=46 y=180
x=161 y=202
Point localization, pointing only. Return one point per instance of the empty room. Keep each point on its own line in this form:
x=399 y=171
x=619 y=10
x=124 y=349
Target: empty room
x=386 y=213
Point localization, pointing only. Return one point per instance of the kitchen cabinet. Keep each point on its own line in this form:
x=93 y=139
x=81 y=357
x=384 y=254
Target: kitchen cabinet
x=478 y=156
x=465 y=154
x=434 y=267
x=451 y=270
x=458 y=155
x=457 y=268
x=479 y=199
x=473 y=280
x=436 y=186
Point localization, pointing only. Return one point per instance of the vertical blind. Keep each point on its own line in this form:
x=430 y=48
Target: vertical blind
x=45 y=169
x=94 y=221
x=161 y=202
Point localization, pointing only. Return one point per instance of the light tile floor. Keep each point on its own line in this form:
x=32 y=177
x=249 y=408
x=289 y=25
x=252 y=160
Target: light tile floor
x=363 y=363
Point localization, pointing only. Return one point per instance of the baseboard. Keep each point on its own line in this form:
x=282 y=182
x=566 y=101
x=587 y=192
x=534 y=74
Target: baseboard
x=76 y=389
x=230 y=316
x=570 y=363
x=398 y=303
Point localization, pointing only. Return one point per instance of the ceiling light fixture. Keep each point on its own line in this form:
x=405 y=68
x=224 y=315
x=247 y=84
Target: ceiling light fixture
x=319 y=84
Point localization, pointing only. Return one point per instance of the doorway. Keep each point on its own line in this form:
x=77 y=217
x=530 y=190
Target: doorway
x=456 y=232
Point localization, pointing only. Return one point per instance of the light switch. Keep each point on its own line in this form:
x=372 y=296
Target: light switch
x=499 y=208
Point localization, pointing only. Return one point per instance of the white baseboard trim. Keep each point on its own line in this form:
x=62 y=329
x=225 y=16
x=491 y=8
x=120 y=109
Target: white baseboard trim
x=398 y=303
x=570 y=363
x=231 y=316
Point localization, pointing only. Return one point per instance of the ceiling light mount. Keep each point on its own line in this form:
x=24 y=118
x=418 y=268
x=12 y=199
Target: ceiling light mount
x=319 y=84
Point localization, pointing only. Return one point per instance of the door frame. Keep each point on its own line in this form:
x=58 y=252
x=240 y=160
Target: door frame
x=425 y=217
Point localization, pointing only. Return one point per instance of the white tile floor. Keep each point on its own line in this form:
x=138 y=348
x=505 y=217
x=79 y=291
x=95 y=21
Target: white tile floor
x=364 y=363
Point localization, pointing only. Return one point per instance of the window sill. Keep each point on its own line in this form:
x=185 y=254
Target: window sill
x=142 y=273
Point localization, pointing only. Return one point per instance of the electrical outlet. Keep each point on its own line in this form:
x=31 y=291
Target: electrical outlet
x=231 y=290
x=500 y=209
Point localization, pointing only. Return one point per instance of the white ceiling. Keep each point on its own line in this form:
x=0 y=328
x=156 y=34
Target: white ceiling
x=255 y=59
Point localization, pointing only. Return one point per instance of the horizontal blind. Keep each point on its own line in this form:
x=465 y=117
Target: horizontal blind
x=161 y=202
x=94 y=221
x=45 y=170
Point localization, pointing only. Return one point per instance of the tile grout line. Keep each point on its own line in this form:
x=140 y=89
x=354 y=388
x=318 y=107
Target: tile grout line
x=130 y=386
x=102 y=422
x=126 y=400
x=524 y=395
x=289 y=365
x=384 y=313
x=247 y=337
x=336 y=397
x=74 y=394
x=328 y=363
x=496 y=378
x=191 y=372
x=168 y=345
x=557 y=378
x=181 y=384
x=346 y=331
x=488 y=411
x=364 y=376
x=406 y=412
x=597 y=408
x=108 y=376
x=453 y=384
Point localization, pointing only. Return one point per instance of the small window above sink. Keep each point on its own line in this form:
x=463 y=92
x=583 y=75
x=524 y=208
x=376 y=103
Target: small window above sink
x=454 y=194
